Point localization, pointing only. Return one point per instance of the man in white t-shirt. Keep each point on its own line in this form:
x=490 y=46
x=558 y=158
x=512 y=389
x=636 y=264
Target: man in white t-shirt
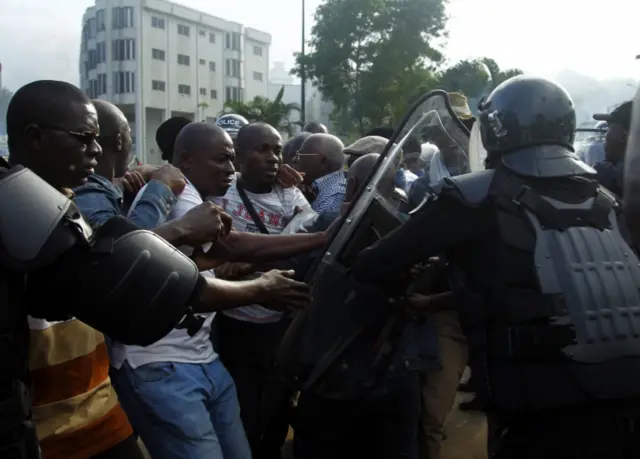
x=177 y=394
x=249 y=335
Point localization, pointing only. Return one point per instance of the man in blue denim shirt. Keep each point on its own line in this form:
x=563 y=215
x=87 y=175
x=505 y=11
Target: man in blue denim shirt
x=102 y=197
x=381 y=421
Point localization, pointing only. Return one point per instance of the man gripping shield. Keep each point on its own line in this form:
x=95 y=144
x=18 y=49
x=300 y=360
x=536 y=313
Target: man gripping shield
x=331 y=347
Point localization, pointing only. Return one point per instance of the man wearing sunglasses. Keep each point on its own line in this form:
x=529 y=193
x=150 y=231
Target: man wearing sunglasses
x=127 y=283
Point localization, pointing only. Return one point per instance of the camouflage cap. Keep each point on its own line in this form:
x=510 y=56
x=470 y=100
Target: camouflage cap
x=460 y=105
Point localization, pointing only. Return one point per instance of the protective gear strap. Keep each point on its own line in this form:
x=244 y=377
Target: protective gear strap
x=131 y=285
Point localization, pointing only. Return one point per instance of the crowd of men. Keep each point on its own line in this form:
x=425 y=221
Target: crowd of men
x=532 y=288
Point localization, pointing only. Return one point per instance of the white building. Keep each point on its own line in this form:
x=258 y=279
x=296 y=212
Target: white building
x=156 y=59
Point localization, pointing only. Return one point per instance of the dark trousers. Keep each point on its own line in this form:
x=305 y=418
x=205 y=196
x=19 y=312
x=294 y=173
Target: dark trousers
x=126 y=449
x=594 y=432
x=380 y=425
x=247 y=350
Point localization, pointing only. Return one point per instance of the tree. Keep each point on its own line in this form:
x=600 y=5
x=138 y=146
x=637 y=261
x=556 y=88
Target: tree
x=366 y=54
x=274 y=112
x=475 y=77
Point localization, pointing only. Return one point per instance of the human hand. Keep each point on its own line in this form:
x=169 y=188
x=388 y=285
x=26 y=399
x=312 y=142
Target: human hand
x=281 y=291
x=289 y=177
x=132 y=182
x=145 y=170
x=170 y=176
x=203 y=224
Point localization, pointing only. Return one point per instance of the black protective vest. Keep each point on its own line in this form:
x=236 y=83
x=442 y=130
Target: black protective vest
x=562 y=326
x=17 y=433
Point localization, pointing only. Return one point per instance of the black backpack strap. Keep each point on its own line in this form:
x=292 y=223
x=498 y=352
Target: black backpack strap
x=249 y=206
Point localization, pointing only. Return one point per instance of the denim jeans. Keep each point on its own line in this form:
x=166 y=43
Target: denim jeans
x=184 y=411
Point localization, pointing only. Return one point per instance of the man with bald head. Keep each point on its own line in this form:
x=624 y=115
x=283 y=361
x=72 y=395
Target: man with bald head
x=383 y=421
x=314 y=127
x=321 y=158
x=102 y=196
x=258 y=204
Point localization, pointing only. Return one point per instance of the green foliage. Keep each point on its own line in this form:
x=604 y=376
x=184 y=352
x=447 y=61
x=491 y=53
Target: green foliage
x=474 y=78
x=369 y=55
x=274 y=112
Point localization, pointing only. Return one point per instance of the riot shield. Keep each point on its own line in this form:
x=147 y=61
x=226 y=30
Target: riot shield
x=631 y=185
x=319 y=335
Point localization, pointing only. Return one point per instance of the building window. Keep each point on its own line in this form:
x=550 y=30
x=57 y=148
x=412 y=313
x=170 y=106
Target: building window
x=257 y=50
x=203 y=91
x=234 y=94
x=85 y=36
x=91 y=23
x=202 y=33
x=212 y=38
x=124 y=82
x=93 y=59
x=158 y=54
x=214 y=94
x=232 y=41
x=121 y=17
x=158 y=85
x=202 y=62
x=257 y=76
x=183 y=30
x=183 y=59
x=233 y=68
x=123 y=49
x=100 y=20
x=102 y=84
x=212 y=66
x=92 y=92
x=101 y=52
x=157 y=22
x=184 y=89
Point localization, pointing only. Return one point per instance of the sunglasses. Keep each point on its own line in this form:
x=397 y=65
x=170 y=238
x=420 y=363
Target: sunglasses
x=87 y=138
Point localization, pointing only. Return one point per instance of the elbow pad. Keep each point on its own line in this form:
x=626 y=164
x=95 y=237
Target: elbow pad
x=130 y=284
x=37 y=223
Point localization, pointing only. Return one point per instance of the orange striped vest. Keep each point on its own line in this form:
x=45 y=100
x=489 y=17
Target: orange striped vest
x=75 y=408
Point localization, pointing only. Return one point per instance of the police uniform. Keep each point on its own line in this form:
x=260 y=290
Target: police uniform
x=548 y=289
x=137 y=285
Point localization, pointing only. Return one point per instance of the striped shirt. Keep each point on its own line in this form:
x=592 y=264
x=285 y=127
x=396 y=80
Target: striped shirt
x=75 y=408
x=275 y=210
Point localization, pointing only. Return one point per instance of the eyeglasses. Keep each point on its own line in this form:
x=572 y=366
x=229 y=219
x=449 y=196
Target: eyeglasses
x=87 y=137
x=298 y=154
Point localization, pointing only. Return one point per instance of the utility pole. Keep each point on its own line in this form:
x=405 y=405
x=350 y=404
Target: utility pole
x=303 y=76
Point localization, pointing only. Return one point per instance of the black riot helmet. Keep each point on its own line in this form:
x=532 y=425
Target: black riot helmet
x=232 y=123
x=528 y=124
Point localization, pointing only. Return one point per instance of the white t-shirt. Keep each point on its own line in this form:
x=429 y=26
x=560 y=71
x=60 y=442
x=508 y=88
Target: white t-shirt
x=177 y=346
x=275 y=210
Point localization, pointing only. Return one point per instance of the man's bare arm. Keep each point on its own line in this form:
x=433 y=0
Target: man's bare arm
x=251 y=247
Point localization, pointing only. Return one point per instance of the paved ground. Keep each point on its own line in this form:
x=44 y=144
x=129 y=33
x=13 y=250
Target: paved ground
x=466 y=437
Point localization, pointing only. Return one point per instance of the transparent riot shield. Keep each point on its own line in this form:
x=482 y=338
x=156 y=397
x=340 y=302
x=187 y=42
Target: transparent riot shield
x=477 y=152
x=319 y=335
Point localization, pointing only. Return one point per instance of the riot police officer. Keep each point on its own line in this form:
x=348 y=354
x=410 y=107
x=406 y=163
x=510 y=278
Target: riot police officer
x=547 y=286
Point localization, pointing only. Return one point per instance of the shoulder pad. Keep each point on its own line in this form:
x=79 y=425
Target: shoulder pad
x=37 y=222
x=470 y=189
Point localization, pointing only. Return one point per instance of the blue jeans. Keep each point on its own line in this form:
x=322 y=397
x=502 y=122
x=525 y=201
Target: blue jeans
x=184 y=411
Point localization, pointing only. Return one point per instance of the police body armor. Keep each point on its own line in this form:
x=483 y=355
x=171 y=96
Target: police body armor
x=127 y=283
x=563 y=325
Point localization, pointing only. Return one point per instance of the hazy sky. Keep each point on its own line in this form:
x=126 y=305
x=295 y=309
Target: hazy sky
x=41 y=39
